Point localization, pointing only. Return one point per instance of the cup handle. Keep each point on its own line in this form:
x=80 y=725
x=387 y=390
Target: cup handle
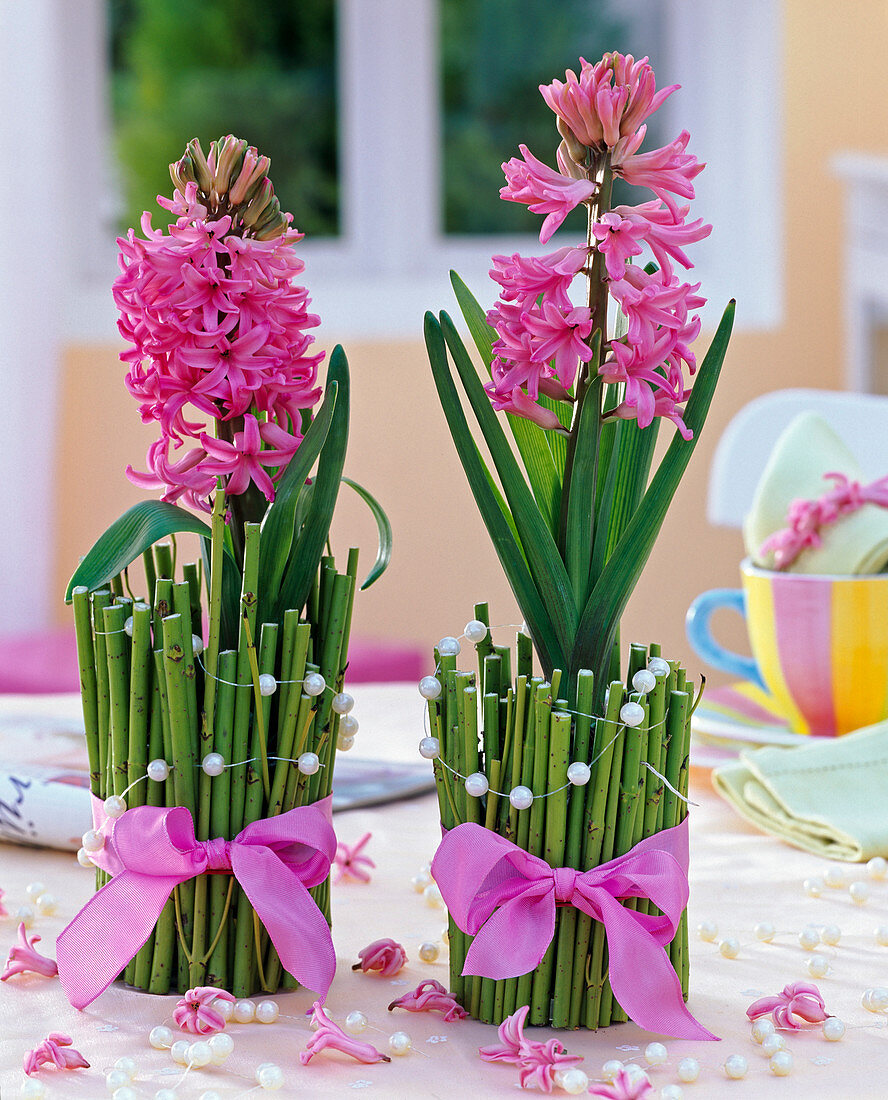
x=700 y=635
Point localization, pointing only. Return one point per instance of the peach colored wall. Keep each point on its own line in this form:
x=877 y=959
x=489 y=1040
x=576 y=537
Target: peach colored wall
x=836 y=98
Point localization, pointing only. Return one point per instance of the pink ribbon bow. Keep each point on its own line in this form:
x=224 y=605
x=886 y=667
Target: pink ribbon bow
x=150 y=850
x=506 y=898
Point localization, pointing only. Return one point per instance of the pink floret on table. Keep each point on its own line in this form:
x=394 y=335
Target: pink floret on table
x=24 y=958
x=195 y=1011
x=431 y=996
x=385 y=956
x=330 y=1036
x=55 y=1050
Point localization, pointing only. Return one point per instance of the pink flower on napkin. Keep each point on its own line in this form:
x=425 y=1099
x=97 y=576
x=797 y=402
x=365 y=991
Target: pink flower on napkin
x=330 y=1036
x=53 y=1051
x=799 y=1005
x=431 y=996
x=625 y=1086
x=537 y=1062
x=351 y=862
x=195 y=1012
x=24 y=958
x=386 y=956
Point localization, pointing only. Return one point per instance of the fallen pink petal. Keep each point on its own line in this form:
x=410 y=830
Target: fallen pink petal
x=352 y=863
x=539 y=1062
x=55 y=1050
x=511 y=1036
x=385 y=956
x=195 y=1011
x=798 y=1005
x=24 y=958
x=625 y=1086
x=431 y=996
x=330 y=1036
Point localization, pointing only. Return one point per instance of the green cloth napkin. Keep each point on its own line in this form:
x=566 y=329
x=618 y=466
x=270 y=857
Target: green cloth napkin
x=827 y=797
x=806 y=450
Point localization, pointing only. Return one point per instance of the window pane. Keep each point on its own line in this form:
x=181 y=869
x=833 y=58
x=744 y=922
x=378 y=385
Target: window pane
x=267 y=73
x=494 y=56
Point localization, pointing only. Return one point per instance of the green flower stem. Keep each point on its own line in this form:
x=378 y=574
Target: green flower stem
x=525 y=656
x=118 y=686
x=470 y=749
x=513 y=755
x=154 y=796
x=164 y=959
x=150 y=575
x=86 y=660
x=220 y=890
x=538 y=992
x=293 y=667
x=182 y=606
x=141 y=689
x=101 y=600
x=494 y=772
x=491 y=715
x=304 y=737
x=163 y=560
x=211 y=652
x=533 y=772
x=674 y=809
x=244 y=694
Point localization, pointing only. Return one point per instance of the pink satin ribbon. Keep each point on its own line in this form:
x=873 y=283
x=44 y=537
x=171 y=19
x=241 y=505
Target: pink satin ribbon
x=150 y=850
x=506 y=898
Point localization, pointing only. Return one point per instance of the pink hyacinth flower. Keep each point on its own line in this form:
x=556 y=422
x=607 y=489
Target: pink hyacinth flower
x=537 y=1062
x=243 y=460
x=525 y=278
x=3 y=912
x=351 y=862
x=625 y=1086
x=55 y=1050
x=518 y=402
x=667 y=171
x=330 y=1036
x=511 y=1036
x=385 y=956
x=24 y=958
x=195 y=1012
x=431 y=996
x=799 y=1005
x=543 y=190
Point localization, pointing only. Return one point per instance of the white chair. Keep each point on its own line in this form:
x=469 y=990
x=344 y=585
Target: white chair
x=860 y=419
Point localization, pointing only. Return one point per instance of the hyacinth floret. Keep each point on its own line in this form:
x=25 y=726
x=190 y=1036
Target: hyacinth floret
x=220 y=349
x=544 y=345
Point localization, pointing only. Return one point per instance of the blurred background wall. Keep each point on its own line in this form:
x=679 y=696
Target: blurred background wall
x=772 y=91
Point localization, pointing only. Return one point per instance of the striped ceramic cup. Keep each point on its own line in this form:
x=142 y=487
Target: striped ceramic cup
x=820 y=644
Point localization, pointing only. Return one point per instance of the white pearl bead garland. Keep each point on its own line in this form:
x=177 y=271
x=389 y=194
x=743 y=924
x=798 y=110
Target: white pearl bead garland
x=25 y=915
x=93 y=841
x=197 y=646
x=430 y=687
x=114 y=806
x=817 y=966
x=221 y=1045
x=46 y=905
x=476 y=784
x=224 y=1007
x=114 y=1080
x=875 y=1000
x=659 y=666
x=762 y=1029
x=834 y=878
x=773 y=1043
x=342 y=702
x=781 y=1064
x=449 y=646
x=432 y=897
x=813 y=887
x=125 y=1092
x=430 y=748
x=833 y=1029
x=881 y=935
x=729 y=947
x=610 y=1069
x=210 y=1094
x=644 y=681
x=830 y=934
x=198 y=1054
x=267 y=1012
x=161 y=1038
x=655 y=1054
x=736 y=1067
x=765 y=931
x=688 y=1070
x=859 y=892
x=573 y=1081
x=213 y=764
x=707 y=930
x=348 y=725
x=429 y=952
x=521 y=797
x=179 y=1051
x=421 y=880
x=244 y=1012
x=128 y=1066
x=34 y=890
x=158 y=770
x=165 y=1094
x=475 y=631
x=314 y=684
x=355 y=1023
x=809 y=938
x=83 y=858
x=632 y=714
x=672 y=1092
x=400 y=1043
x=579 y=773
x=268 y=684
x=308 y=763
x=345 y=743
x=877 y=867
x=270 y=1077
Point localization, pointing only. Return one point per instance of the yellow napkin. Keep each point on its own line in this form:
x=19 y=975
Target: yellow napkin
x=826 y=797
x=808 y=449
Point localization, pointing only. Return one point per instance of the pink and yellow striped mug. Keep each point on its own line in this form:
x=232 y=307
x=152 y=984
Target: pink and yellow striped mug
x=820 y=644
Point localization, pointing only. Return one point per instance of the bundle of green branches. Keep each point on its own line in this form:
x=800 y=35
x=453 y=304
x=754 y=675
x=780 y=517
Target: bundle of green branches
x=525 y=733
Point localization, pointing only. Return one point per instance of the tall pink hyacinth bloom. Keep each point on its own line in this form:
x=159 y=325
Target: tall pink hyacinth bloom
x=220 y=353
x=544 y=344
x=330 y=1036
x=24 y=958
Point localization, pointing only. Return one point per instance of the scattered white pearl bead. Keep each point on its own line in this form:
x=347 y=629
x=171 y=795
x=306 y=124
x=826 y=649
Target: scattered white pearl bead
x=224 y=1007
x=93 y=841
x=773 y=1043
x=179 y=1051
x=244 y=1012
x=342 y=702
x=834 y=878
x=161 y=1038
x=430 y=687
x=672 y=1092
x=34 y=890
x=268 y=685
x=521 y=797
x=729 y=947
x=221 y=1045
x=267 y=1012
x=655 y=1054
x=877 y=867
x=33 y=1089
x=875 y=1000
x=809 y=937
x=430 y=748
x=400 y=1043
x=345 y=743
x=707 y=930
x=476 y=785
x=632 y=714
x=83 y=858
x=308 y=763
x=128 y=627
x=210 y=1094
x=579 y=773
x=158 y=770
x=127 y=1065
x=213 y=764
x=420 y=881
x=634 y=1071
x=355 y=1023
x=198 y=1054
x=859 y=892
x=449 y=646
x=765 y=931
x=659 y=666
x=197 y=646
x=165 y=1094
x=817 y=966
x=688 y=1070
x=314 y=683
x=833 y=1029
x=115 y=806
x=881 y=935
x=475 y=631
x=47 y=904
x=761 y=1029
x=781 y=1064
x=610 y=1069
x=115 y=1080
x=429 y=952
x=348 y=725
x=270 y=1077
x=813 y=887
x=644 y=680
x=831 y=934
x=573 y=1081
x=25 y=915
x=431 y=895
x=736 y=1067
x=125 y=1092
